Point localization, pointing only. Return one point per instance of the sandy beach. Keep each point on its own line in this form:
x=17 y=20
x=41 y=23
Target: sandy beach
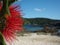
x=34 y=39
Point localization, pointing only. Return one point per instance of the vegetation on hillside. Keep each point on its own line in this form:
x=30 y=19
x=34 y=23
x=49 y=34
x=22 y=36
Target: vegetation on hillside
x=40 y=21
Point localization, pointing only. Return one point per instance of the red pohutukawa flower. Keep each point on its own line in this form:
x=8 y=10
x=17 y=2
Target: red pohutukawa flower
x=13 y=23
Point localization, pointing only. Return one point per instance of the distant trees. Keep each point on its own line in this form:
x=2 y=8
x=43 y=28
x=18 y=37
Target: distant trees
x=40 y=21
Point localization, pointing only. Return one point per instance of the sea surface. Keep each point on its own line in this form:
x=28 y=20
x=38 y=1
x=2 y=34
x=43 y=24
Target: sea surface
x=33 y=27
x=37 y=28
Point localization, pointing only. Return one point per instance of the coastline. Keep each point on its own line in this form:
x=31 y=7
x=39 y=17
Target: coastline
x=34 y=39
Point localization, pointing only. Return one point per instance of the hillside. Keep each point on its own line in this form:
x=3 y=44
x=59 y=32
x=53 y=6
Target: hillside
x=40 y=21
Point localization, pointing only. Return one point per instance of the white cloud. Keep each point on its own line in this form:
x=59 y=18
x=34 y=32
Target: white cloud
x=39 y=9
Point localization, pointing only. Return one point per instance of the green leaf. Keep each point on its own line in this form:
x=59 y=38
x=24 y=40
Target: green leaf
x=2 y=42
x=5 y=8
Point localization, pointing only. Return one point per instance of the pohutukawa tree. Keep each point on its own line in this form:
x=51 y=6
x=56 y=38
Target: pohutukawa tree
x=10 y=21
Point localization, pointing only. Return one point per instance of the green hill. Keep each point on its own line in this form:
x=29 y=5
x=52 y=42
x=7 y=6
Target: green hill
x=40 y=21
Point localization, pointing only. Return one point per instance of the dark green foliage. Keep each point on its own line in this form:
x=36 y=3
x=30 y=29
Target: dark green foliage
x=40 y=21
x=2 y=40
x=5 y=7
x=4 y=10
x=2 y=23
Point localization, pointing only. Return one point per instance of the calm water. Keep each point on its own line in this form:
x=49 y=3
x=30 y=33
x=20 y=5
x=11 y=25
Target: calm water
x=35 y=28
x=32 y=27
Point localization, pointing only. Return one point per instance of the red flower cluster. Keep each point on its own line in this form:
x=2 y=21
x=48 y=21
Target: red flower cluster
x=14 y=23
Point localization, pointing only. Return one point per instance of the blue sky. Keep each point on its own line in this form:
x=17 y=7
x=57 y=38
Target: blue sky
x=40 y=8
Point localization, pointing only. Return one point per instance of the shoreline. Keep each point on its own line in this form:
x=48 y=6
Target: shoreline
x=33 y=39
